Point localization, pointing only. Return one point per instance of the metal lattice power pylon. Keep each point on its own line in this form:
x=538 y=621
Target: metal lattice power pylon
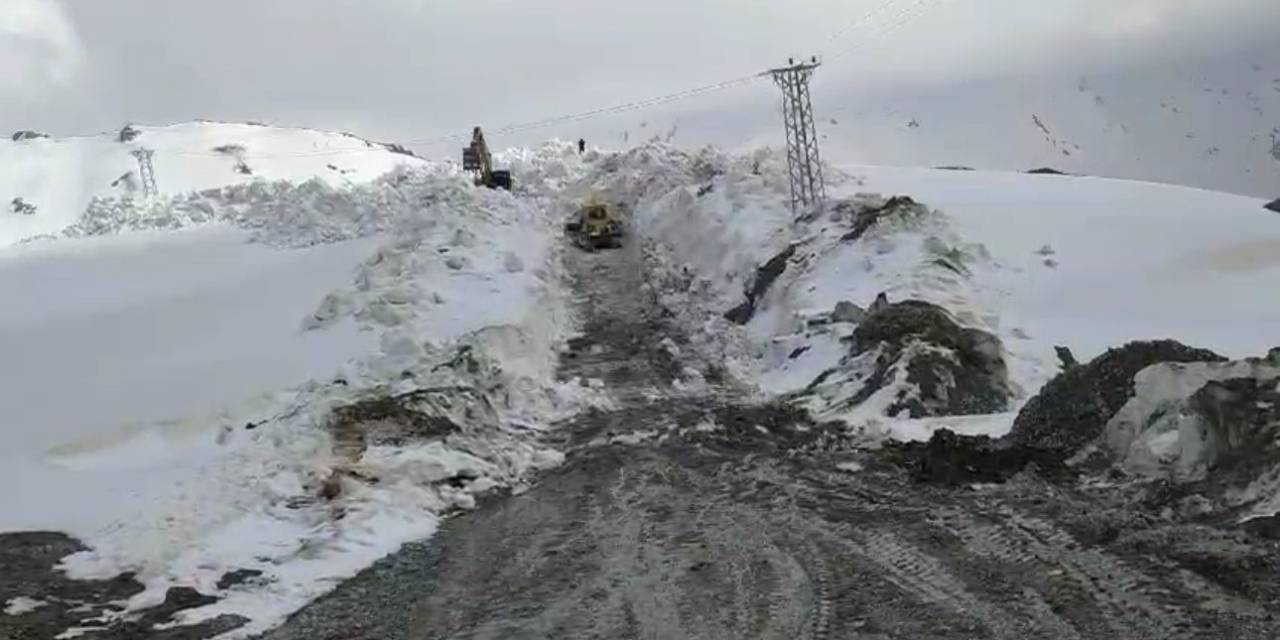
x=803 y=163
x=146 y=173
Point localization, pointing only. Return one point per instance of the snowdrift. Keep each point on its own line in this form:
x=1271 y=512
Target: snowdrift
x=188 y=371
x=48 y=182
x=1033 y=261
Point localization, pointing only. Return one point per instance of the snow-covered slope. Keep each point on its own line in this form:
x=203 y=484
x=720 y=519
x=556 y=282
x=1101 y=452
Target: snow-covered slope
x=177 y=368
x=1037 y=261
x=175 y=372
x=60 y=176
x=1130 y=260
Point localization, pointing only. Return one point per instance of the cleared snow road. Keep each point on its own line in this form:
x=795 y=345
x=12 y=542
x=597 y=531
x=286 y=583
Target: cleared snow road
x=703 y=516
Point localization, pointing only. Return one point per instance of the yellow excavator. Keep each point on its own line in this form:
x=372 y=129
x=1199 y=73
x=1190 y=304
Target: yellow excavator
x=594 y=226
x=477 y=159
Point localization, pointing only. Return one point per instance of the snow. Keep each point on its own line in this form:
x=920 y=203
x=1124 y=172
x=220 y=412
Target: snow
x=126 y=330
x=1039 y=261
x=22 y=604
x=1136 y=260
x=173 y=364
x=921 y=429
x=60 y=176
x=1156 y=432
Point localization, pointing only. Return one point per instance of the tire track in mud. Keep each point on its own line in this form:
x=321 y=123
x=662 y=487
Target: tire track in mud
x=925 y=577
x=1128 y=601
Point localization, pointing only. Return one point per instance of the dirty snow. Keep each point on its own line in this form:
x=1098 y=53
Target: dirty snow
x=1156 y=433
x=22 y=604
x=849 y=467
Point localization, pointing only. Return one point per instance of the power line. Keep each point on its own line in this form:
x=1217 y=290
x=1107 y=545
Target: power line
x=902 y=18
x=855 y=24
x=515 y=127
x=896 y=21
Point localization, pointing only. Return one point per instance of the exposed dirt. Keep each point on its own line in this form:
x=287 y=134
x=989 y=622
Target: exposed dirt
x=765 y=275
x=27 y=563
x=863 y=216
x=953 y=370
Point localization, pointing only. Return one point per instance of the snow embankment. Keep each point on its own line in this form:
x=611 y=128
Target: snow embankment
x=1034 y=261
x=213 y=382
x=1212 y=426
x=48 y=182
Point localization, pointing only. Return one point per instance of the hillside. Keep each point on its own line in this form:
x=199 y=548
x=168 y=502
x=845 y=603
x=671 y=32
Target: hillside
x=60 y=176
x=1036 y=261
x=246 y=396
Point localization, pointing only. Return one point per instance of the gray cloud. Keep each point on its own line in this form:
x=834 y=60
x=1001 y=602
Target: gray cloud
x=39 y=48
x=417 y=69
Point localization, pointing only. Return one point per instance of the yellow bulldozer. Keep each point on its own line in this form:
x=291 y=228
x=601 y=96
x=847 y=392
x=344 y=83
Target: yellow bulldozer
x=595 y=226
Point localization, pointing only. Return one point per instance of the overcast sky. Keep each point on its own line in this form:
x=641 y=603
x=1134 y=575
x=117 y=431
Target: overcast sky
x=417 y=69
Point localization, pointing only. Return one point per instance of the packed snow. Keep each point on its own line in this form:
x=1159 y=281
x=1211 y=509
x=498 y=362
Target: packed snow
x=1157 y=433
x=1038 y=261
x=175 y=365
x=21 y=605
x=59 y=177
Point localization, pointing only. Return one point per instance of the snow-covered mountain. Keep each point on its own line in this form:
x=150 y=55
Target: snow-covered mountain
x=1212 y=123
x=47 y=182
x=178 y=370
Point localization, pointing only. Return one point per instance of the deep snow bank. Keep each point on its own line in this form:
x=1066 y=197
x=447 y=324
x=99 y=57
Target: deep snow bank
x=56 y=178
x=1212 y=425
x=1186 y=432
x=1078 y=262
x=181 y=408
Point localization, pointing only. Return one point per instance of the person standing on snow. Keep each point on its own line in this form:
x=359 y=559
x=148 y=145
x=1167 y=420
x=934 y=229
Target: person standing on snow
x=582 y=146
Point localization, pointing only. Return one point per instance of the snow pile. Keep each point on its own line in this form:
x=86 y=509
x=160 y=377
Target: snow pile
x=861 y=249
x=1213 y=423
x=911 y=359
x=548 y=170
x=1072 y=410
x=1035 y=263
x=726 y=251
x=1160 y=429
x=287 y=214
x=333 y=479
x=57 y=178
x=216 y=359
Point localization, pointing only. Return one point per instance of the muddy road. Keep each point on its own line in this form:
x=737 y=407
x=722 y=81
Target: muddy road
x=683 y=515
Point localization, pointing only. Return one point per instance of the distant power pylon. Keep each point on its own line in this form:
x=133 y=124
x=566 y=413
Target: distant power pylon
x=803 y=163
x=146 y=173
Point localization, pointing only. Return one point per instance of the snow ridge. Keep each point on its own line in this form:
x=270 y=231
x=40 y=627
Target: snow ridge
x=461 y=296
